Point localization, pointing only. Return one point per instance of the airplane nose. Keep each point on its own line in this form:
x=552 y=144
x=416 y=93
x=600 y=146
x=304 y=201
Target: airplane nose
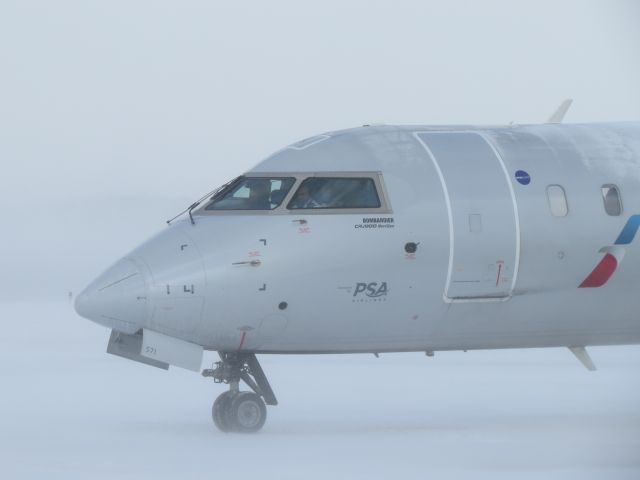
x=116 y=299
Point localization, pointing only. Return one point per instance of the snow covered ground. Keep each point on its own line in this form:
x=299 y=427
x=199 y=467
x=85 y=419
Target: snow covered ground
x=68 y=410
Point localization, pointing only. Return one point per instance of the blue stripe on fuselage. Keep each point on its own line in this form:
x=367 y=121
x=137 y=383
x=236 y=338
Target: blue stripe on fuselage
x=629 y=231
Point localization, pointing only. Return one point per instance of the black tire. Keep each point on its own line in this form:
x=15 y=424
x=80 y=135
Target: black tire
x=247 y=413
x=221 y=410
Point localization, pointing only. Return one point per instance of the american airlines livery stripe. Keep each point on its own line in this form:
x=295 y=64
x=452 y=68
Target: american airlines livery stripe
x=613 y=255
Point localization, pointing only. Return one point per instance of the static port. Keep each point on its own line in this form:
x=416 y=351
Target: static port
x=411 y=247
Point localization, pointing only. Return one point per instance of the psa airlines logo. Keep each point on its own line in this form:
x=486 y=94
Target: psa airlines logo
x=613 y=255
x=366 y=292
x=371 y=290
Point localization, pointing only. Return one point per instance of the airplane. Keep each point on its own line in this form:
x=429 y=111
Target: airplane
x=389 y=238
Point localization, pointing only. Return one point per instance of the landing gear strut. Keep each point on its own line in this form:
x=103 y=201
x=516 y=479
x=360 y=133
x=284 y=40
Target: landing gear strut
x=236 y=411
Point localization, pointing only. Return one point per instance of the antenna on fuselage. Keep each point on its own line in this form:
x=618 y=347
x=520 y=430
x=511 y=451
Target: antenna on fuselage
x=582 y=355
x=562 y=110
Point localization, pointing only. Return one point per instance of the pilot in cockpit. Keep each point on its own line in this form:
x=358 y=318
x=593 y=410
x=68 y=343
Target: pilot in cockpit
x=304 y=199
x=259 y=193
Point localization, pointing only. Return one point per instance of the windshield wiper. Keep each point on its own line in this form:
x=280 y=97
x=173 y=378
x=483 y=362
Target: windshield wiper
x=213 y=194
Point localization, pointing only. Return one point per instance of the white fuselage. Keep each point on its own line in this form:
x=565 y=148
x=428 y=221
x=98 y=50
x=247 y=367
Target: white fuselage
x=494 y=267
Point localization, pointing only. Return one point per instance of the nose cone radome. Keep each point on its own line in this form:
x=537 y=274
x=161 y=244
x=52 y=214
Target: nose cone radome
x=116 y=299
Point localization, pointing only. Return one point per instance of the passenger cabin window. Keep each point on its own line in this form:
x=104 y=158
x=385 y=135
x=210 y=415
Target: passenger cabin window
x=611 y=199
x=557 y=201
x=252 y=193
x=334 y=192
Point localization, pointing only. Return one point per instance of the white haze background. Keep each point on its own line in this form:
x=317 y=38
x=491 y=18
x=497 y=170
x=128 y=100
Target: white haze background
x=115 y=115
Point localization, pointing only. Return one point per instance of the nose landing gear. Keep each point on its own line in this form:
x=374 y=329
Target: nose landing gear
x=236 y=411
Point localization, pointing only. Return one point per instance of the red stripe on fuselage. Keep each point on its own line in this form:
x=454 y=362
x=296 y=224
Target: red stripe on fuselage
x=602 y=273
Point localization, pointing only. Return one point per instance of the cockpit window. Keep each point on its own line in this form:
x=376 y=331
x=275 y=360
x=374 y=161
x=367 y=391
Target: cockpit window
x=253 y=193
x=335 y=192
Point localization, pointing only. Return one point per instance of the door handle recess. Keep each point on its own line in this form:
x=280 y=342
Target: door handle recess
x=251 y=263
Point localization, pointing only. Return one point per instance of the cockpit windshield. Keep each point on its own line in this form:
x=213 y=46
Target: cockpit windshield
x=253 y=193
x=335 y=192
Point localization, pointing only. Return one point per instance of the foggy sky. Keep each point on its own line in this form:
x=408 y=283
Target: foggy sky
x=114 y=115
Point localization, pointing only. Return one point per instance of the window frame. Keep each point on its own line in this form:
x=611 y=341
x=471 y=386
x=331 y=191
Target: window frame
x=564 y=197
x=603 y=196
x=376 y=176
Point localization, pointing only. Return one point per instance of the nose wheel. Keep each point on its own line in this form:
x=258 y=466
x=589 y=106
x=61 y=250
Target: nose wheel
x=243 y=412
x=236 y=411
x=220 y=412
